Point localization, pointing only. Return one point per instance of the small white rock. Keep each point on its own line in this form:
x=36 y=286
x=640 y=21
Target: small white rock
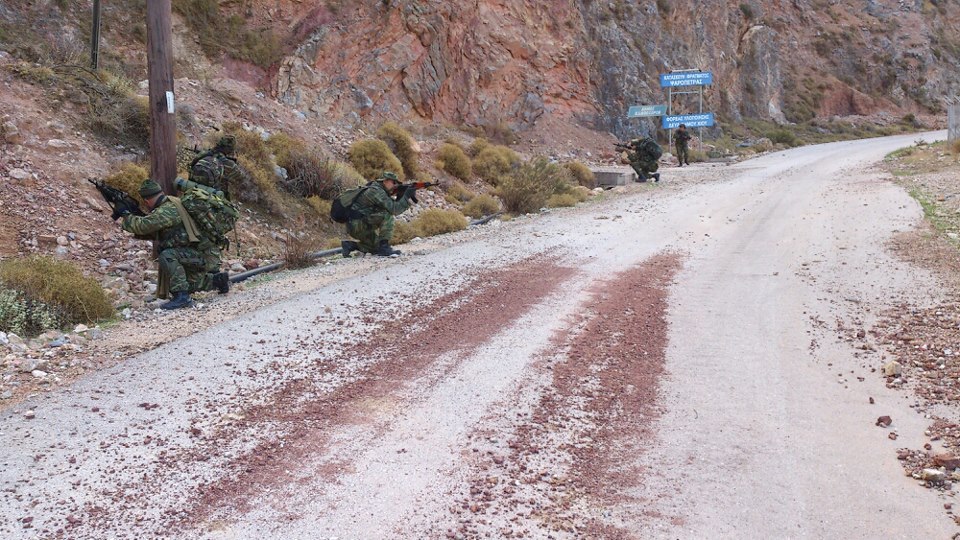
x=81 y=328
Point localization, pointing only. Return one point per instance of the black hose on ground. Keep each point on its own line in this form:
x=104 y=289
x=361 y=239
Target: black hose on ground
x=237 y=278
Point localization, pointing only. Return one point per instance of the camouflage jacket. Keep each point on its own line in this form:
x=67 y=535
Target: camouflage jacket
x=217 y=171
x=375 y=204
x=681 y=138
x=163 y=224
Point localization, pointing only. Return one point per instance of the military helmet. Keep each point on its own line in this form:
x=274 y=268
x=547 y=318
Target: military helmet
x=387 y=175
x=227 y=144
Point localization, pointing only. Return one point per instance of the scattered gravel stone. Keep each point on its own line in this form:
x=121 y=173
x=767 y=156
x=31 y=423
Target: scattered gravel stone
x=884 y=421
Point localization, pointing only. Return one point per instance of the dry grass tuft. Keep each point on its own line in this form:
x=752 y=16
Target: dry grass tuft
x=402 y=145
x=494 y=162
x=371 y=157
x=68 y=296
x=558 y=200
x=582 y=174
x=128 y=180
x=460 y=193
x=481 y=205
x=529 y=187
x=296 y=253
x=452 y=159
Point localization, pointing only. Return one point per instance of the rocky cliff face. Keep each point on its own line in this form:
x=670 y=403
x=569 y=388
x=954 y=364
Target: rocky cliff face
x=492 y=61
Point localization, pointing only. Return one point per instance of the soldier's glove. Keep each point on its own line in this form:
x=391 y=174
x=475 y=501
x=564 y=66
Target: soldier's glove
x=119 y=212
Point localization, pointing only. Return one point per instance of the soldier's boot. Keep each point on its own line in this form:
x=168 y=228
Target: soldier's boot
x=180 y=300
x=656 y=177
x=641 y=177
x=221 y=280
x=347 y=247
x=384 y=250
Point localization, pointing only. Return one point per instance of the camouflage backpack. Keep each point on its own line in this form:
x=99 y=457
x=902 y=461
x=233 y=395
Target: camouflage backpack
x=214 y=215
x=649 y=147
x=341 y=210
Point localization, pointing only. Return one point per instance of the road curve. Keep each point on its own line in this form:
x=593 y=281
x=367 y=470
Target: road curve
x=663 y=364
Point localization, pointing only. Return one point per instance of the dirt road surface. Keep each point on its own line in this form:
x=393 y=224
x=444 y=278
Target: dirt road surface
x=672 y=362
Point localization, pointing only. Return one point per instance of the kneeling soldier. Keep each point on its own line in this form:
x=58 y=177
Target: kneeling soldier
x=376 y=207
x=188 y=262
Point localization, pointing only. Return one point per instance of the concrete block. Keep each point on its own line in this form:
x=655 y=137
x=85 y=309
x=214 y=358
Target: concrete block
x=612 y=176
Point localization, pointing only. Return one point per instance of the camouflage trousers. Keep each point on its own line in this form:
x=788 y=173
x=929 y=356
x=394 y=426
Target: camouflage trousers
x=683 y=154
x=370 y=231
x=644 y=168
x=189 y=269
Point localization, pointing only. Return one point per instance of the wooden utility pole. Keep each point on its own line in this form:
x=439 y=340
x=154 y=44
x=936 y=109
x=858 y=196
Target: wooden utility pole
x=163 y=137
x=95 y=37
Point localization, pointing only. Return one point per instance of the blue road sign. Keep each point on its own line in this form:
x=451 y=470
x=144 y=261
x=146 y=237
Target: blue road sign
x=690 y=120
x=646 y=110
x=686 y=78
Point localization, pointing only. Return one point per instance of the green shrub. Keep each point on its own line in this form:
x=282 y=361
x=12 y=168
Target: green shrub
x=33 y=73
x=453 y=160
x=581 y=174
x=460 y=193
x=478 y=145
x=371 y=157
x=402 y=145
x=434 y=221
x=494 y=162
x=481 y=205
x=783 y=136
x=68 y=295
x=558 y=200
x=24 y=317
x=128 y=179
x=529 y=187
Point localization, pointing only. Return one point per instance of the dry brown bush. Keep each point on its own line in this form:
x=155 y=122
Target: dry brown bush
x=453 y=160
x=527 y=189
x=494 y=162
x=558 y=200
x=402 y=145
x=460 y=193
x=581 y=174
x=478 y=145
x=128 y=179
x=371 y=157
x=481 y=205
x=59 y=285
x=296 y=253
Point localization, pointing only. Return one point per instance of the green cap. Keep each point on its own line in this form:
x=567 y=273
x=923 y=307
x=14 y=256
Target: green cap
x=149 y=188
x=387 y=175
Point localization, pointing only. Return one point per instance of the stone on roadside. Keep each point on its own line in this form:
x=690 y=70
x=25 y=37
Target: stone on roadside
x=892 y=369
x=933 y=475
x=947 y=460
x=39 y=374
x=884 y=421
x=3 y=338
x=81 y=328
x=29 y=415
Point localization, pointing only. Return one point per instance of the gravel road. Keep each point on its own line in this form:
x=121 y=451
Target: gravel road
x=665 y=362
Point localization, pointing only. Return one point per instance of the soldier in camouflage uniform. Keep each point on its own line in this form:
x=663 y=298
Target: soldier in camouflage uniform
x=642 y=161
x=218 y=167
x=188 y=262
x=682 y=140
x=377 y=206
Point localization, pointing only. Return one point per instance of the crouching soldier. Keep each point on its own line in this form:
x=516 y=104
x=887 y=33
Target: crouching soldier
x=372 y=210
x=218 y=167
x=188 y=262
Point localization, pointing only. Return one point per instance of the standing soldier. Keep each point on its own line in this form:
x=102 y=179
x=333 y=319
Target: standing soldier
x=218 y=167
x=682 y=141
x=374 y=208
x=186 y=264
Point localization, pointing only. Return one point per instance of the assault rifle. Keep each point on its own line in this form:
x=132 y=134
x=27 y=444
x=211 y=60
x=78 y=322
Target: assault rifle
x=402 y=188
x=119 y=202
x=623 y=146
